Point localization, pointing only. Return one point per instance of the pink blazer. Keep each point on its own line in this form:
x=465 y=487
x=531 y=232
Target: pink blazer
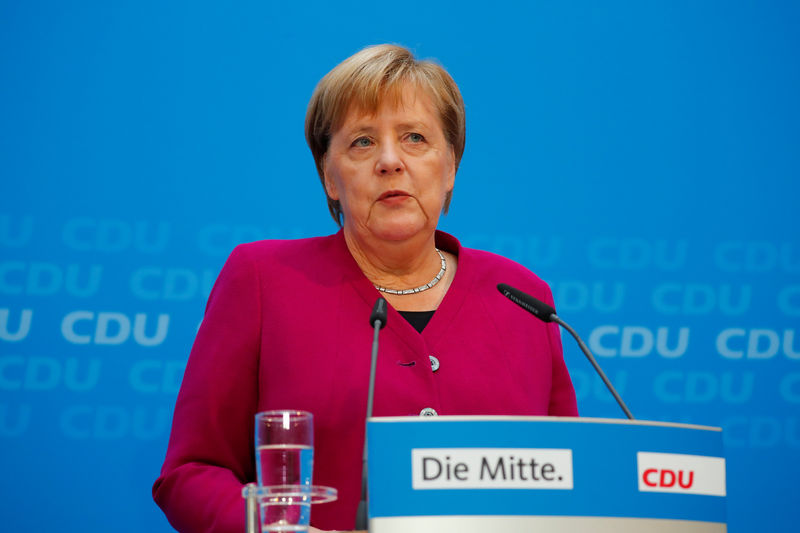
x=287 y=327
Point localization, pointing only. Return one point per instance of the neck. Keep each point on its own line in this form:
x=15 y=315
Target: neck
x=396 y=264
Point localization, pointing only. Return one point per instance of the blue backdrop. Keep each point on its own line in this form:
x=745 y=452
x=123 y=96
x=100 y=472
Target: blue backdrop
x=641 y=157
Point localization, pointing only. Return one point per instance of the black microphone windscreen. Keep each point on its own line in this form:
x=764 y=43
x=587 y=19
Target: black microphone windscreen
x=534 y=306
x=379 y=312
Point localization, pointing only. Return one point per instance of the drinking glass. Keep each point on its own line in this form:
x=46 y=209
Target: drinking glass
x=284 y=448
x=284 y=465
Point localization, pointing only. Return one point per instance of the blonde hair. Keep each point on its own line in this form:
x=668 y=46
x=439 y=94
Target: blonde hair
x=365 y=80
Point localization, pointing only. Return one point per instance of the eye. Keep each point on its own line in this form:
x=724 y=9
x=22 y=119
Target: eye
x=415 y=137
x=362 y=142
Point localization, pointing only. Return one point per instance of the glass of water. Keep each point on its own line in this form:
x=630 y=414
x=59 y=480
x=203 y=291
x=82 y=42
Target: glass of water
x=284 y=448
x=284 y=465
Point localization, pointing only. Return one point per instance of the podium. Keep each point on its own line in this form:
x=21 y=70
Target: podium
x=545 y=474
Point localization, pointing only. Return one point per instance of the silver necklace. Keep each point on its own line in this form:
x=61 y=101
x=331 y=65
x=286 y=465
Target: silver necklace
x=421 y=288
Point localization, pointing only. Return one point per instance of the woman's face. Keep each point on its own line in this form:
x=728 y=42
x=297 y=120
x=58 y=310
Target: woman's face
x=391 y=170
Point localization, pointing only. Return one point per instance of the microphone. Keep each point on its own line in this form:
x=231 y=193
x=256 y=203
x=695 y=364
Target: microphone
x=536 y=307
x=378 y=321
x=546 y=313
x=378 y=315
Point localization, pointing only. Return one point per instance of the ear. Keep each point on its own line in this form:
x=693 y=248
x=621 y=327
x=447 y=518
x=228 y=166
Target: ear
x=330 y=184
x=450 y=179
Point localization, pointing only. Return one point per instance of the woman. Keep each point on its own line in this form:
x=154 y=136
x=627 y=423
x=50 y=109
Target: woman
x=286 y=326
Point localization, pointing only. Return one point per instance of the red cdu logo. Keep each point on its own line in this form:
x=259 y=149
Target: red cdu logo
x=667 y=478
x=679 y=473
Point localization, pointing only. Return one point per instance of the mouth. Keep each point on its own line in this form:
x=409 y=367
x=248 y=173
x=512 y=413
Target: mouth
x=393 y=194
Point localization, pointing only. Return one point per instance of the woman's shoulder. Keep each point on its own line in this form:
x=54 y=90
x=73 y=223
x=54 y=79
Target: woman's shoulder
x=490 y=261
x=278 y=264
x=489 y=269
x=279 y=250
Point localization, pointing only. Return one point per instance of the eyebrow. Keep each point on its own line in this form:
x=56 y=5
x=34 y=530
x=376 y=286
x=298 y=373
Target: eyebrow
x=413 y=125
x=401 y=126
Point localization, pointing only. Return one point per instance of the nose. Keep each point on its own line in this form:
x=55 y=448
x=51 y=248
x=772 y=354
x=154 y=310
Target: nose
x=389 y=160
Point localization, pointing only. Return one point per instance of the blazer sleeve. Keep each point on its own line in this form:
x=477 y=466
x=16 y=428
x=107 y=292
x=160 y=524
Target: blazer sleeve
x=210 y=454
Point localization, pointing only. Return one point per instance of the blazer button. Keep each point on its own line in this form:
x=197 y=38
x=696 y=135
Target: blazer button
x=428 y=411
x=434 y=363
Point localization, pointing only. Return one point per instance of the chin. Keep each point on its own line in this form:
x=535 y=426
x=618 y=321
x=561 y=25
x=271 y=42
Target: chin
x=399 y=230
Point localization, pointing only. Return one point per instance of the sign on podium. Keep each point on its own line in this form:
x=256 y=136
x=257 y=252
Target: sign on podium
x=545 y=474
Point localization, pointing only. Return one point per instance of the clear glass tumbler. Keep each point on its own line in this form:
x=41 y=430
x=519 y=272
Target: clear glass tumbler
x=284 y=465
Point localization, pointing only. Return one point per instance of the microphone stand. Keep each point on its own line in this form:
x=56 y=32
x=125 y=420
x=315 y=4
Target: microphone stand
x=377 y=320
x=585 y=349
x=545 y=313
